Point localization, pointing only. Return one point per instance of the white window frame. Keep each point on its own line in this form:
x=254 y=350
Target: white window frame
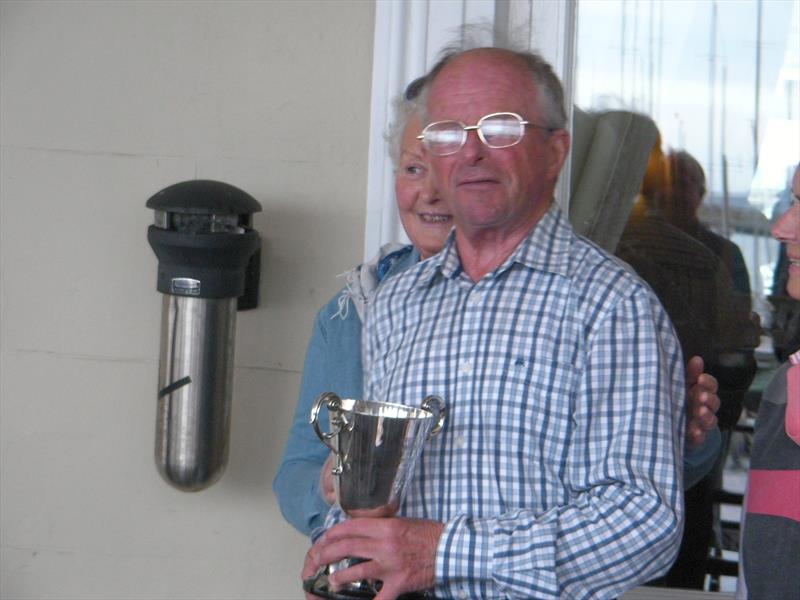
x=408 y=36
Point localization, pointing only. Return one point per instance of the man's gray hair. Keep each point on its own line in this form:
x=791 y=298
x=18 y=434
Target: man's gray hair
x=473 y=37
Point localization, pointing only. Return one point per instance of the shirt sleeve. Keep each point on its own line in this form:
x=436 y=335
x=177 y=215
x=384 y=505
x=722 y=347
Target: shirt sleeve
x=329 y=367
x=698 y=462
x=296 y=484
x=623 y=523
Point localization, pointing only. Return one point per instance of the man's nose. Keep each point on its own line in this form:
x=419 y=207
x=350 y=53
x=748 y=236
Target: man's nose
x=474 y=149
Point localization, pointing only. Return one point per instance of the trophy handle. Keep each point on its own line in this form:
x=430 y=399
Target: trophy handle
x=334 y=404
x=434 y=404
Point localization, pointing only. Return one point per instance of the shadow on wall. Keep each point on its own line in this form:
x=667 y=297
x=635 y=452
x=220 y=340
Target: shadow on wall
x=302 y=252
x=260 y=420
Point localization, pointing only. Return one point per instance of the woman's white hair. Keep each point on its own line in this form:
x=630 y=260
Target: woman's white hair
x=404 y=107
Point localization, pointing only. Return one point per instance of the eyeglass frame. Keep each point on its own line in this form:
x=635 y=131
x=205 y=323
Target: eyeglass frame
x=465 y=129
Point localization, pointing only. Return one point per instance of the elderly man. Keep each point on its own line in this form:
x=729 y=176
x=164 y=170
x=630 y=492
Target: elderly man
x=558 y=473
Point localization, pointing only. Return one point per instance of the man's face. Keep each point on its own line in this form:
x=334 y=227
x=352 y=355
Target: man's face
x=494 y=189
x=787 y=230
x=689 y=186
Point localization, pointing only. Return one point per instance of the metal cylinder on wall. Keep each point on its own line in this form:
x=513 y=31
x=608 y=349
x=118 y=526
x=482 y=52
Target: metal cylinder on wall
x=208 y=268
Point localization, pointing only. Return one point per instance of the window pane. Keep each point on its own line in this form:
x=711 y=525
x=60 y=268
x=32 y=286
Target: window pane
x=720 y=81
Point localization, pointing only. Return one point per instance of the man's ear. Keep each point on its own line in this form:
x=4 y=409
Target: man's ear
x=558 y=143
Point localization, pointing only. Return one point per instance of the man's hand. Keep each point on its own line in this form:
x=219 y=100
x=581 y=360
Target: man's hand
x=326 y=481
x=702 y=402
x=400 y=552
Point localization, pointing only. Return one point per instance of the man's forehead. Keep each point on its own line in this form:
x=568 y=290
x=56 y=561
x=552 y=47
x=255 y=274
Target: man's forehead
x=483 y=80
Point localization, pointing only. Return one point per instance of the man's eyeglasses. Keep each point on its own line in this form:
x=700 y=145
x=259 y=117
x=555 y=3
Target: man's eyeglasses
x=497 y=130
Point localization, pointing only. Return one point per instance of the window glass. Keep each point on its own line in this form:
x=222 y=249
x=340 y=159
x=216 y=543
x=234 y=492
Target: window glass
x=720 y=82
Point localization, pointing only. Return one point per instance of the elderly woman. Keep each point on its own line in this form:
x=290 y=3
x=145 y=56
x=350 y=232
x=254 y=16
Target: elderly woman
x=333 y=360
x=771 y=537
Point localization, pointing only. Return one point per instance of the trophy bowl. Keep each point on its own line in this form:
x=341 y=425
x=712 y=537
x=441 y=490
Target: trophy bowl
x=375 y=447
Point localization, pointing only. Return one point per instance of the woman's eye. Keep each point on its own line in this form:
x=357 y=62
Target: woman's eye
x=414 y=170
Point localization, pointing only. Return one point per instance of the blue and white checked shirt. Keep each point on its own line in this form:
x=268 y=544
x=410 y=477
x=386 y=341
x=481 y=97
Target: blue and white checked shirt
x=558 y=472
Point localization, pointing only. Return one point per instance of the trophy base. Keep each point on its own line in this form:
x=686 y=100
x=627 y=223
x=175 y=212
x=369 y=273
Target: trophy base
x=319 y=586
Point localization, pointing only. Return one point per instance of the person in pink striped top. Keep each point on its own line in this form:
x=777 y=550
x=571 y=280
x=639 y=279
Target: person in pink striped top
x=770 y=549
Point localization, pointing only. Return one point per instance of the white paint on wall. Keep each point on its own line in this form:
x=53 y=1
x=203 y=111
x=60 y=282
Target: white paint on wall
x=101 y=105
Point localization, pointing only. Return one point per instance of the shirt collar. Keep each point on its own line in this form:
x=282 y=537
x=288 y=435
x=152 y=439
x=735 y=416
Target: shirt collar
x=545 y=248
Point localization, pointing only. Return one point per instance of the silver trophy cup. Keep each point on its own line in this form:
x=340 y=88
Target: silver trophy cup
x=375 y=446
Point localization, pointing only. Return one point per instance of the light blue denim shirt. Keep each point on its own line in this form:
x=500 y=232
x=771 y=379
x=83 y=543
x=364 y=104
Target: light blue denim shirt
x=333 y=364
x=697 y=462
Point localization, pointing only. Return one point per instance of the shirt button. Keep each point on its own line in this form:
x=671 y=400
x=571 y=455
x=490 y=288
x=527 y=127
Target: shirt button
x=463 y=594
x=466 y=367
x=460 y=441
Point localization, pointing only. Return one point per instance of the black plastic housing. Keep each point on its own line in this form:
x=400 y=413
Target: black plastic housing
x=204 y=243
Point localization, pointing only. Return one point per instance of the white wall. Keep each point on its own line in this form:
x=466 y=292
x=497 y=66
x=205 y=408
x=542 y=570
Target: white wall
x=101 y=105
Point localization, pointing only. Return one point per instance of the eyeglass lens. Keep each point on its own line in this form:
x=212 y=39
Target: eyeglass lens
x=496 y=131
x=500 y=131
x=445 y=137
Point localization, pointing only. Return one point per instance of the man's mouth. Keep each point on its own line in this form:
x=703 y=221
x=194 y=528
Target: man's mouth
x=478 y=182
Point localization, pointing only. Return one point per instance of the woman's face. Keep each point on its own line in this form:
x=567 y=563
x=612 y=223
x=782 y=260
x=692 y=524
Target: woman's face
x=425 y=217
x=787 y=230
